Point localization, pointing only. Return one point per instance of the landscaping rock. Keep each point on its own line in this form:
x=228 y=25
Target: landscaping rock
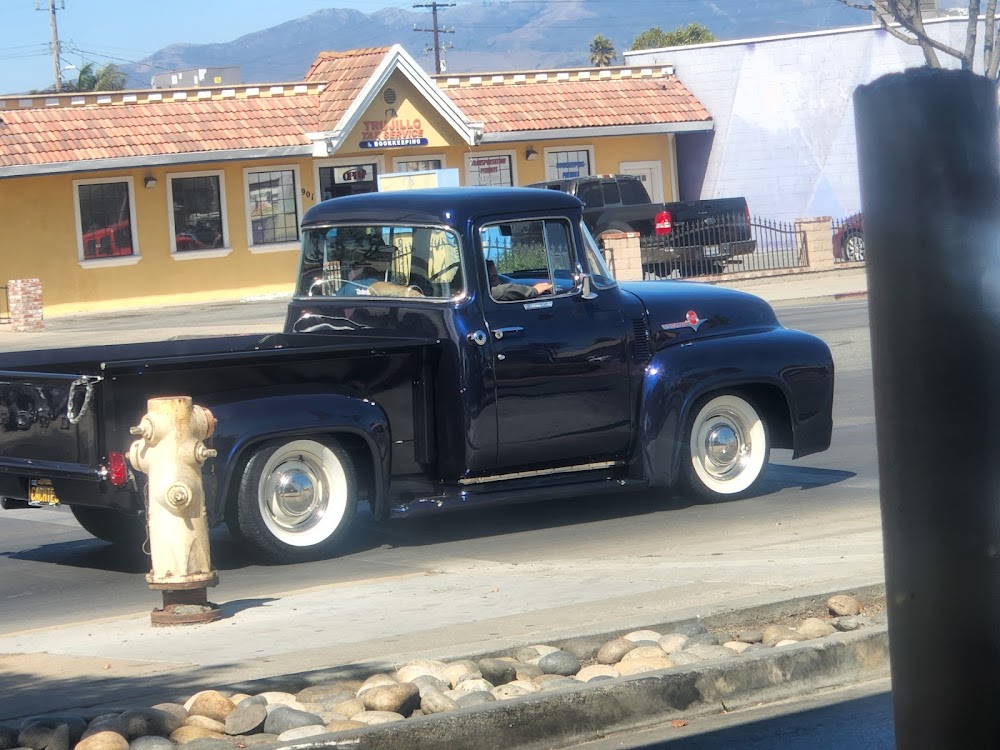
x=248 y=718
x=401 y=698
x=103 y=741
x=813 y=627
x=146 y=722
x=475 y=699
x=206 y=723
x=702 y=639
x=279 y=698
x=210 y=703
x=474 y=685
x=528 y=671
x=345 y=726
x=301 y=733
x=427 y=682
x=671 y=643
x=683 y=658
x=755 y=647
x=508 y=691
x=151 y=743
x=690 y=628
x=711 y=652
x=453 y=673
x=184 y=735
x=283 y=718
x=749 y=635
x=110 y=724
x=643 y=635
x=435 y=702
x=498 y=671
x=786 y=642
x=376 y=680
x=349 y=707
x=736 y=646
x=843 y=605
x=584 y=648
x=597 y=670
x=640 y=666
x=644 y=652
x=377 y=717
x=847 y=624
x=75 y=724
x=8 y=738
x=35 y=735
x=530 y=654
x=613 y=651
x=324 y=694
x=775 y=633
x=559 y=662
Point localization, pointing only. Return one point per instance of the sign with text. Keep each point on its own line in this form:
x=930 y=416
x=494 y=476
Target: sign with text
x=490 y=170
x=395 y=132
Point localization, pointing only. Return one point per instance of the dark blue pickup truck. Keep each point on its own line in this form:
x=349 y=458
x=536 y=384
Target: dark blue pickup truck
x=443 y=349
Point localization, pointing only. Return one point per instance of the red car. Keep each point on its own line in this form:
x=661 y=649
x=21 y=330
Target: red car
x=849 y=239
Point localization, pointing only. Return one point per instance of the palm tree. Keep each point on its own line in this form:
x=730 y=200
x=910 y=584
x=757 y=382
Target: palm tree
x=602 y=52
x=108 y=77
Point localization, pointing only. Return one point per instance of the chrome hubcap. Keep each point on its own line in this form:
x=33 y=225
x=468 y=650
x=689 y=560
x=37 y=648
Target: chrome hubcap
x=722 y=446
x=296 y=498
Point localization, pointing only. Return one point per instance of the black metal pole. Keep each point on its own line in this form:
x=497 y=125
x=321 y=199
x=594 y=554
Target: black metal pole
x=930 y=186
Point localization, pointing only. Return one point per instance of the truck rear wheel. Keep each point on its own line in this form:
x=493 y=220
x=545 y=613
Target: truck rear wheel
x=110 y=525
x=726 y=447
x=296 y=499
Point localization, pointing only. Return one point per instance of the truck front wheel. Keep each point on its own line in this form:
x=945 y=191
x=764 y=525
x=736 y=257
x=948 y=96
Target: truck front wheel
x=726 y=448
x=296 y=499
x=110 y=525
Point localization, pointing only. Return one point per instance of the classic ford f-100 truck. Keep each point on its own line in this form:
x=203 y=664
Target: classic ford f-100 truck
x=443 y=349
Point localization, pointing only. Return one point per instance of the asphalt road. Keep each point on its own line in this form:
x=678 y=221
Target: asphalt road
x=814 y=523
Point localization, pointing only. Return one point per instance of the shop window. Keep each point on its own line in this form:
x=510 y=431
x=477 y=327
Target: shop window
x=490 y=169
x=566 y=164
x=417 y=165
x=336 y=182
x=105 y=219
x=198 y=215
x=272 y=206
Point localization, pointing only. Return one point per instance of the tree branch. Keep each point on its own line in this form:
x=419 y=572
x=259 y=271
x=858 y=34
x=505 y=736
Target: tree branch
x=970 y=37
x=991 y=54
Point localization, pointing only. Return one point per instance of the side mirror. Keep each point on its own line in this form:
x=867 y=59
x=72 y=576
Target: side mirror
x=583 y=281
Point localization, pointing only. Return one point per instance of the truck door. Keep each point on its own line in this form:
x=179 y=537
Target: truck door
x=562 y=386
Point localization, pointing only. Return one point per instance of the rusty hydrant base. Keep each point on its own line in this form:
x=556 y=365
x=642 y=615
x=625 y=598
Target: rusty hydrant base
x=186 y=607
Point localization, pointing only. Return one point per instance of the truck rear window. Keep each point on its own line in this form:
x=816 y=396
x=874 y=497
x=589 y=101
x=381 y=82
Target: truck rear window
x=380 y=261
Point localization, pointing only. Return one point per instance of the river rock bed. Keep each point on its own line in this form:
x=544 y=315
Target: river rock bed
x=222 y=720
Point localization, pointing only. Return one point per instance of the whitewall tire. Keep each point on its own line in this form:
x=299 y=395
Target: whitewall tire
x=727 y=447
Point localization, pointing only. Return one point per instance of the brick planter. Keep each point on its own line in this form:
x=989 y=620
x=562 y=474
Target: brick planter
x=24 y=297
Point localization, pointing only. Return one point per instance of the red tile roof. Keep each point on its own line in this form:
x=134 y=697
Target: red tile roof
x=61 y=134
x=579 y=103
x=346 y=73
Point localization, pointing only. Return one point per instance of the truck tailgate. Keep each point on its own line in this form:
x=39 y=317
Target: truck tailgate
x=48 y=425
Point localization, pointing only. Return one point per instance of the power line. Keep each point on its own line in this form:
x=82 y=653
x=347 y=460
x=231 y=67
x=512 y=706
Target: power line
x=436 y=30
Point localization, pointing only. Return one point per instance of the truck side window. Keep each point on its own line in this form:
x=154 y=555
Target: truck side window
x=633 y=193
x=525 y=259
x=381 y=261
x=591 y=195
x=610 y=190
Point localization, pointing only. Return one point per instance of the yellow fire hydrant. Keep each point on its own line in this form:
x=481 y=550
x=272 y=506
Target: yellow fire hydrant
x=170 y=452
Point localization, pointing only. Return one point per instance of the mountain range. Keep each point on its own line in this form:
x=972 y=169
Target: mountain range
x=491 y=35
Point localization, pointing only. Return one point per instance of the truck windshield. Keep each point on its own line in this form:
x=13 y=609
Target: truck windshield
x=602 y=276
x=360 y=260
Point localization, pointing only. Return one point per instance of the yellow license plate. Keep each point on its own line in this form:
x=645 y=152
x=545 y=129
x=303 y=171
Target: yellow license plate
x=41 y=492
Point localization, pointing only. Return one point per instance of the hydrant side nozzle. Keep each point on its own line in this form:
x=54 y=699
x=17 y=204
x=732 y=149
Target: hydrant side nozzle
x=202 y=452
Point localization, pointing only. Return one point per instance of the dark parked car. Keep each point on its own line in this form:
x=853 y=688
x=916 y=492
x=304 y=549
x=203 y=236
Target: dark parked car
x=849 y=239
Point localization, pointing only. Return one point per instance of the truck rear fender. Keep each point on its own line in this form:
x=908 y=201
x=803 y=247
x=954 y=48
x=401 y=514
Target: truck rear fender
x=787 y=374
x=246 y=420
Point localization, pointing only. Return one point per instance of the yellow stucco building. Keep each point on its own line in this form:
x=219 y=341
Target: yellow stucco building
x=162 y=196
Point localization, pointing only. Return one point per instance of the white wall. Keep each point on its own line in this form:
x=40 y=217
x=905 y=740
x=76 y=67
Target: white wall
x=784 y=114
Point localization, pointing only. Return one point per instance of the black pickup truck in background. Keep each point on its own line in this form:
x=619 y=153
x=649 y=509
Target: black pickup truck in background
x=689 y=237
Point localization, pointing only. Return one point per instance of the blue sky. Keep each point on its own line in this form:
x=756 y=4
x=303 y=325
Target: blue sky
x=130 y=30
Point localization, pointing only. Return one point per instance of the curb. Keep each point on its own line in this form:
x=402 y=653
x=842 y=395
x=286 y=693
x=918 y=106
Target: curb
x=572 y=715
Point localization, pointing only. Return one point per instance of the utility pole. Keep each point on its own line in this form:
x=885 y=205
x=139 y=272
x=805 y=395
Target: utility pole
x=436 y=30
x=56 y=67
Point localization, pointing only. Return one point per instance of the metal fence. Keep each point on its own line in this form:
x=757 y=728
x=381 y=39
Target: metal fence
x=724 y=244
x=848 y=239
x=4 y=306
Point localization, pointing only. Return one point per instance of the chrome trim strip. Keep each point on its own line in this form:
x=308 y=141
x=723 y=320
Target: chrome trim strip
x=540 y=472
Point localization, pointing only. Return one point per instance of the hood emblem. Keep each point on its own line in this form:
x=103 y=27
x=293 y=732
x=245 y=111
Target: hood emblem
x=691 y=320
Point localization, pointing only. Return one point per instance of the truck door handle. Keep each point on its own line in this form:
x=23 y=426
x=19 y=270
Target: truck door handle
x=478 y=338
x=499 y=333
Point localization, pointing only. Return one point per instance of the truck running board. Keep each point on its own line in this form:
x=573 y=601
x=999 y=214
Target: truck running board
x=541 y=472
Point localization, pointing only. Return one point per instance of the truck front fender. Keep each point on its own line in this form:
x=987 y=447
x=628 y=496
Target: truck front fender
x=788 y=374
x=248 y=418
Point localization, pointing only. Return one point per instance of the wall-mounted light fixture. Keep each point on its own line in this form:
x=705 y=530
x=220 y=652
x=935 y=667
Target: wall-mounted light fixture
x=150 y=182
x=530 y=154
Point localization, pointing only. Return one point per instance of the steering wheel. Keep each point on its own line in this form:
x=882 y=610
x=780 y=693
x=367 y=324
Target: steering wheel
x=433 y=277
